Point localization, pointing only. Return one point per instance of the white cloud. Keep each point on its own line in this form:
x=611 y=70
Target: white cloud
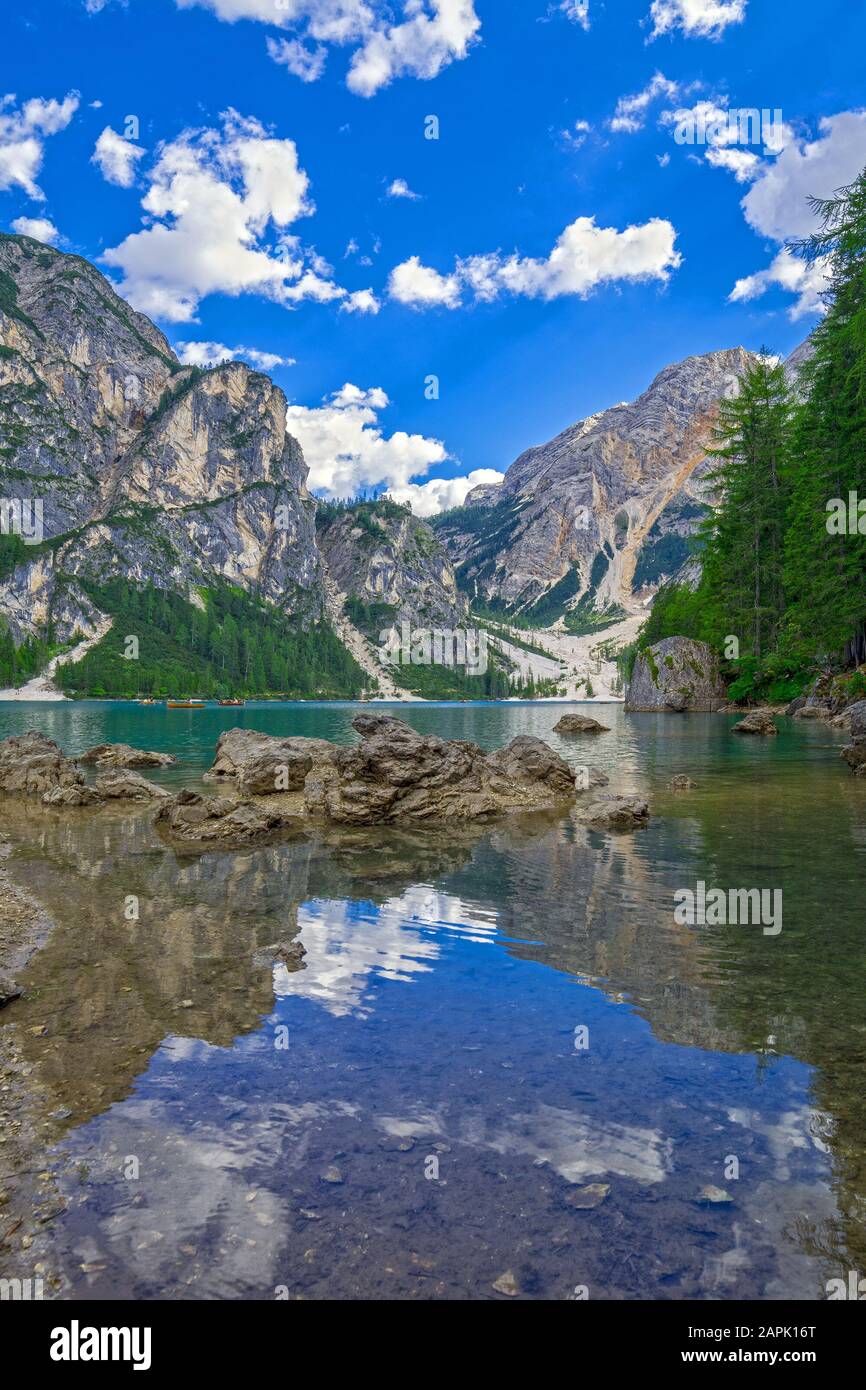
x=745 y=165
x=440 y=494
x=706 y=19
x=116 y=158
x=577 y=11
x=777 y=207
x=37 y=227
x=432 y=34
x=790 y=273
x=347 y=451
x=418 y=285
x=576 y=136
x=400 y=189
x=360 y=302
x=306 y=63
x=217 y=211
x=212 y=354
x=631 y=112
x=777 y=204
x=23 y=131
x=585 y=256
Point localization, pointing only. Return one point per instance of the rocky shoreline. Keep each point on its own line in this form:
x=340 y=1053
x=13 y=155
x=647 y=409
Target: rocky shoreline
x=29 y=1198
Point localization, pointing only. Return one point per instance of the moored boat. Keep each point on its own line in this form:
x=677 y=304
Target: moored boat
x=232 y=704
x=184 y=704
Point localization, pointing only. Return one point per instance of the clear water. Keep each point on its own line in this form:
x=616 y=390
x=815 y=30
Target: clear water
x=409 y=1116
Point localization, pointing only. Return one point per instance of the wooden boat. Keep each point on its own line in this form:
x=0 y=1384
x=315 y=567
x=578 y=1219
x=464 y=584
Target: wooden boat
x=232 y=704
x=147 y=702
x=184 y=704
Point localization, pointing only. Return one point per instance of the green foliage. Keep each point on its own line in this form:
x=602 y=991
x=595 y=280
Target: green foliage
x=236 y=645
x=775 y=573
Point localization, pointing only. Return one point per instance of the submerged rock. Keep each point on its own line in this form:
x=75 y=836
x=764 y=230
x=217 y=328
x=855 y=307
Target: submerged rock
x=585 y=778
x=122 y=755
x=760 y=722
x=507 y=1284
x=33 y=764
x=224 y=821
x=616 y=813
x=72 y=796
x=676 y=675
x=288 y=953
x=579 y=724
x=854 y=754
x=589 y=1197
x=680 y=782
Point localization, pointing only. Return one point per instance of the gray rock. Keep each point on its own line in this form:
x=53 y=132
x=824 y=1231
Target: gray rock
x=261 y=764
x=396 y=774
x=34 y=765
x=857 y=719
x=120 y=784
x=854 y=754
x=616 y=813
x=121 y=755
x=579 y=724
x=9 y=990
x=681 y=782
x=760 y=722
x=676 y=674
x=224 y=822
x=72 y=796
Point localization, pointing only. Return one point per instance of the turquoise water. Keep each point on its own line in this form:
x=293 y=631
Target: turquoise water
x=414 y=1113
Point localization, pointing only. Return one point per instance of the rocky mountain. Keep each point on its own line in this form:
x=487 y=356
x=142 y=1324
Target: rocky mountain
x=167 y=476
x=595 y=519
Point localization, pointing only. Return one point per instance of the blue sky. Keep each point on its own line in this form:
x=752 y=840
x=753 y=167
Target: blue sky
x=562 y=243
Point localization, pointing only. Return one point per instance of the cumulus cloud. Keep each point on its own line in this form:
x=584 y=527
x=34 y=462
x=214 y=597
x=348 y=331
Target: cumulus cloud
x=631 y=111
x=37 y=227
x=431 y=34
x=423 y=288
x=347 y=451
x=212 y=354
x=399 y=188
x=116 y=158
x=23 y=132
x=440 y=494
x=704 y=19
x=584 y=257
x=777 y=204
x=217 y=213
x=792 y=274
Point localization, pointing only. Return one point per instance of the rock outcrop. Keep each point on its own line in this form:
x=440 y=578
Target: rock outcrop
x=676 y=675
x=34 y=765
x=396 y=774
x=760 y=722
x=259 y=764
x=854 y=753
x=579 y=724
x=122 y=785
x=122 y=755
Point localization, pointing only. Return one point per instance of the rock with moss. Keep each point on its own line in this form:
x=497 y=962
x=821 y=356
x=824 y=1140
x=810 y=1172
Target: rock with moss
x=676 y=675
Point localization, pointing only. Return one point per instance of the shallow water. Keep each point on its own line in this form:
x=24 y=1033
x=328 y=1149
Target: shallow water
x=409 y=1114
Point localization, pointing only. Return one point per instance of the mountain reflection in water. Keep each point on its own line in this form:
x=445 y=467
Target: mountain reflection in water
x=407 y=1115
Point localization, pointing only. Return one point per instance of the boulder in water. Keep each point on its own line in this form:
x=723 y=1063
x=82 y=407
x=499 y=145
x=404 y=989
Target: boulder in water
x=676 y=675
